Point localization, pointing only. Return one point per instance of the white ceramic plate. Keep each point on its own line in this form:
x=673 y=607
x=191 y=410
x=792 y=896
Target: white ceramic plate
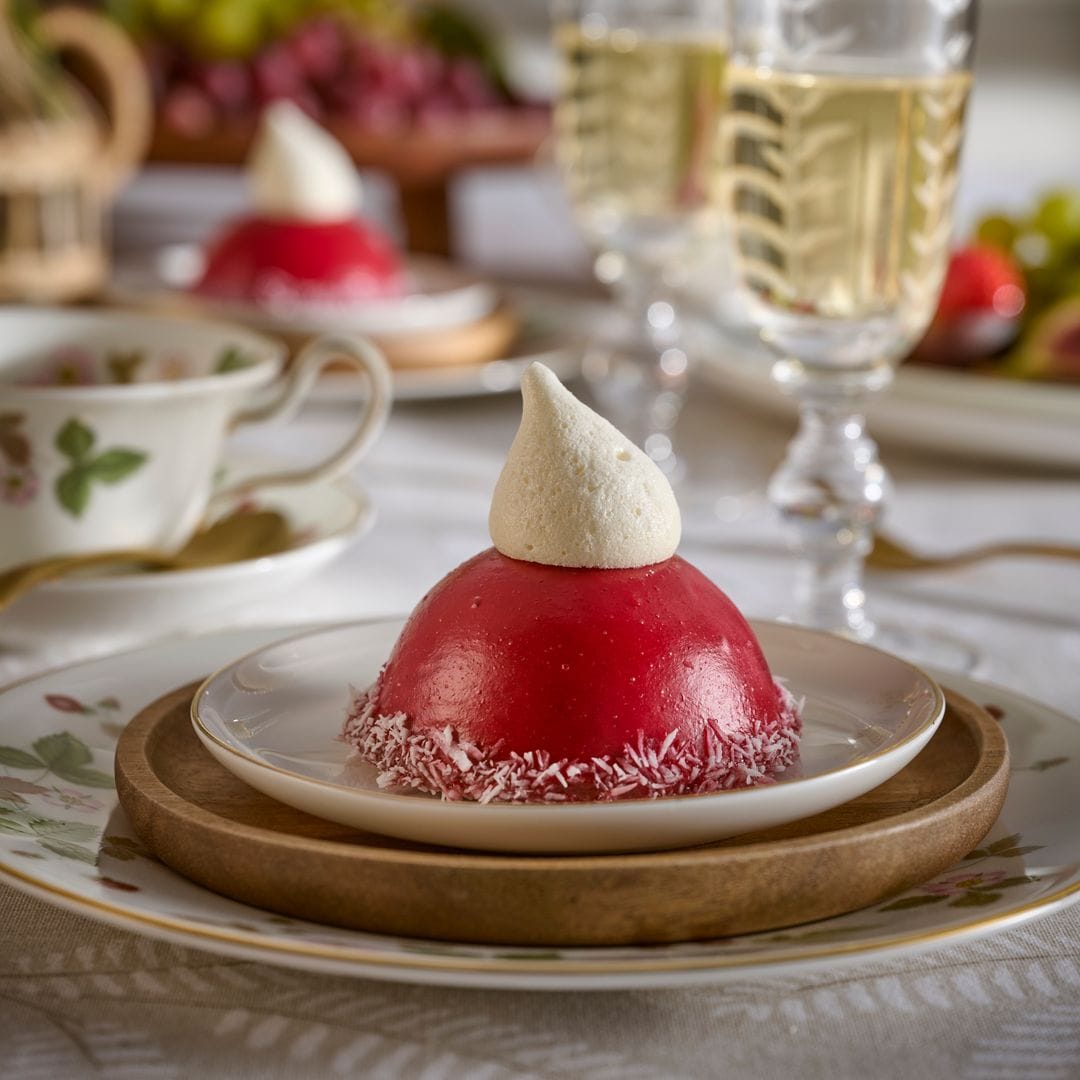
x=274 y=717
x=942 y=411
x=126 y=607
x=64 y=839
x=440 y=297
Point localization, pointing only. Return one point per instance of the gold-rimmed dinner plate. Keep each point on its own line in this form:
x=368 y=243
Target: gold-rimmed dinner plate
x=64 y=839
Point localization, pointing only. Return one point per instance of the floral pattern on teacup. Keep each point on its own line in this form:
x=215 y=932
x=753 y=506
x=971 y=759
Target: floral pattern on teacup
x=19 y=483
x=69 y=365
x=74 y=365
x=74 y=486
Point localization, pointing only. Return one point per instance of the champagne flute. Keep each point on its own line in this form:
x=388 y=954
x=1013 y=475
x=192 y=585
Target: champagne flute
x=843 y=137
x=637 y=125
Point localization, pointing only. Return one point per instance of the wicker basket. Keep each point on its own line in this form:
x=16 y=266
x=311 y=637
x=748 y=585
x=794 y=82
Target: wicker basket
x=58 y=165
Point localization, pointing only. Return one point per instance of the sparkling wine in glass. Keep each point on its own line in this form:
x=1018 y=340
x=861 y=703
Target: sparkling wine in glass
x=844 y=137
x=637 y=124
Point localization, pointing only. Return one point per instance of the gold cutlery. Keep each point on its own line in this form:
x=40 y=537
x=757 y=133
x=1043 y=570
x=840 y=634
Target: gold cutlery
x=889 y=555
x=240 y=536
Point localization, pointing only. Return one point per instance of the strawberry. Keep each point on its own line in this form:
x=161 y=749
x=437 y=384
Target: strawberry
x=981 y=280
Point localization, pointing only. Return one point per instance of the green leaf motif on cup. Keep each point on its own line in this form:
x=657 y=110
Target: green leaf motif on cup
x=232 y=359
x=76 y=441
x=115 y=465
x=73 y=491
x=123 y=366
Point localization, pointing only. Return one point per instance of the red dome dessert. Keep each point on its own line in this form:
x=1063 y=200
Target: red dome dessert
x=304 y=244
x=579 y=659
x=520 y=682
x=269 y=260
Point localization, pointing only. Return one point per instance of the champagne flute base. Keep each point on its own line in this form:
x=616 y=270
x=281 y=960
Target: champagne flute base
x=919 y=645
x=927 y=648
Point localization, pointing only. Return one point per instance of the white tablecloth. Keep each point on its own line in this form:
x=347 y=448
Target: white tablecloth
x=79 y=999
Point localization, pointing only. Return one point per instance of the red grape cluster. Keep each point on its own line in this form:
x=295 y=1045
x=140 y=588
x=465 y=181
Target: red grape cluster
x=332 y=71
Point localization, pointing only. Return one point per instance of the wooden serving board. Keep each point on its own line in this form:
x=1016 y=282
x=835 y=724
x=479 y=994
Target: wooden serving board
x=212 y=828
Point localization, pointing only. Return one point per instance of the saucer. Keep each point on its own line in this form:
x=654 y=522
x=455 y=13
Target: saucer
x=273 y=719
x=326 y=518
x=446 y=298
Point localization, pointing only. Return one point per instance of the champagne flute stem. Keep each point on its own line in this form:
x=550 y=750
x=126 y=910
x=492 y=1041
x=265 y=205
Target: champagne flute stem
x=830 y=490
x=656 y=387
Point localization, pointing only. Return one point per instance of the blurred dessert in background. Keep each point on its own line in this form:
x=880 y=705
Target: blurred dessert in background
x=304 y=243
x=418 y=90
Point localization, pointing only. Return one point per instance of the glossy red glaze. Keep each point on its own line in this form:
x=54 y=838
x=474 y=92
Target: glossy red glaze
x=576 y=662
x=268 y=258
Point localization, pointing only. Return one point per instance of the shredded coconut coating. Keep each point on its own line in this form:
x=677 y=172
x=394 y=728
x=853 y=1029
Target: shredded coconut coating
x=442 y=763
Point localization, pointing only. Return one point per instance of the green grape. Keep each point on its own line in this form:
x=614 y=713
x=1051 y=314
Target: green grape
x=132 y=15
x=1034 y=250
x=1069 y=283
x=229 y=27
x=1058 y=216
x=173 y=12
x=997 y=231
x=1045 y=287
x=281 y=16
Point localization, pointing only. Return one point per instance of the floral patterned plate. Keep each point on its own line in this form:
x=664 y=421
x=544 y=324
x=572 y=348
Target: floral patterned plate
x=63 y=839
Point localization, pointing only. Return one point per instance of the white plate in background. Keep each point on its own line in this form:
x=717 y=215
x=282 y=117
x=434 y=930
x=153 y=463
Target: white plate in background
x=939 y=411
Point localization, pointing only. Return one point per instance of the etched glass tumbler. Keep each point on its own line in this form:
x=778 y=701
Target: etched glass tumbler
x=843 y=136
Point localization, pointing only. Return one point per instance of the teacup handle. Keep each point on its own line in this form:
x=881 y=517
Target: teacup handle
x=319 y=354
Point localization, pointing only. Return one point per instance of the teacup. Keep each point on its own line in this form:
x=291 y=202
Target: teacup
x=112 y=424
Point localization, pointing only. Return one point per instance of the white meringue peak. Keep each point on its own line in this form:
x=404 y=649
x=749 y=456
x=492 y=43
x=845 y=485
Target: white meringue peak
x=298 y=170
x=575 y=491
